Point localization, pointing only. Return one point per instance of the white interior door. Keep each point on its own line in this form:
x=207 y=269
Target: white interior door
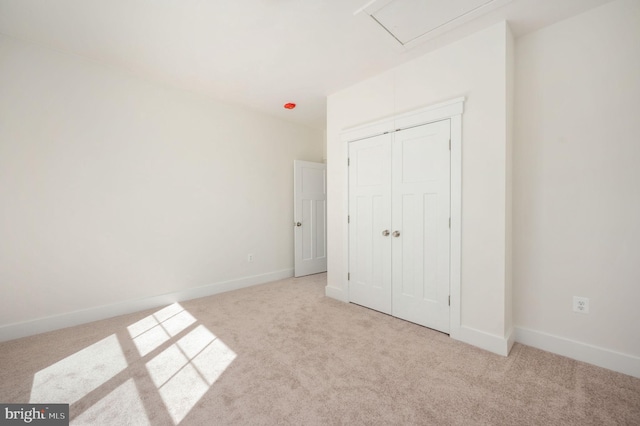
x=421 y=211
x=370 y=223
x=399 y=209
x=310 y=217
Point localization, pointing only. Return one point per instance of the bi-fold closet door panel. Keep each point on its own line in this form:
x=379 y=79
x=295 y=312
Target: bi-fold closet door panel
x=400 y=183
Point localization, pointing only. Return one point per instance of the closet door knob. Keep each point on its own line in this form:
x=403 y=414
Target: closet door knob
x=298 y=224
x=396 y=234
x=385 y=233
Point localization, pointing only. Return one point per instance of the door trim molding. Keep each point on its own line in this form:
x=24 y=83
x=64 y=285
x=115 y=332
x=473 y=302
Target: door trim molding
x=452 y=110
x=417 y=117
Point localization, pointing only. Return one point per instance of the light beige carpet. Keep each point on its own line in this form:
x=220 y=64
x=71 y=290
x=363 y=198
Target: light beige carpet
x=282 y=353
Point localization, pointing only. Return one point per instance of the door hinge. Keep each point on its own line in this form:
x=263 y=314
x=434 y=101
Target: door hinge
x=348 y=276
x=349 y=219
x=449 y=300
x=348 y=162
x=449 y=223
x=449 y=144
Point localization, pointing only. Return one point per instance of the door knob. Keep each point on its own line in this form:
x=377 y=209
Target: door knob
x=385 y=233
x=396 y=234
x=298 y=224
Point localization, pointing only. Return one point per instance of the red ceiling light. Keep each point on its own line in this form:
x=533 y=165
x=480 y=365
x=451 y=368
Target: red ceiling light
x=289 y=105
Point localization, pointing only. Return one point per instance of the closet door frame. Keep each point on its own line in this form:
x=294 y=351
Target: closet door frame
x=453 y=110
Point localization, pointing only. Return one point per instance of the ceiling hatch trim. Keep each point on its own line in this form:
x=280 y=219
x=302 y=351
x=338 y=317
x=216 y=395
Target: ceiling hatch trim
x=411 y=22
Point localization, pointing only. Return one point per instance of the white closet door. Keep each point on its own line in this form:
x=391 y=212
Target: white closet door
x=370 y=216
x=421 y=208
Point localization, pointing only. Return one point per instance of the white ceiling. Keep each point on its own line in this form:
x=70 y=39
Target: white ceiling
x=258 y=53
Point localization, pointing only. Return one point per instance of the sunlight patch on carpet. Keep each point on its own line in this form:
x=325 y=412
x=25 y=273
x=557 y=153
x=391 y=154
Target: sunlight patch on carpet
x=186 y=370
x=182 y=372
x=71 y=378
x=152 y=331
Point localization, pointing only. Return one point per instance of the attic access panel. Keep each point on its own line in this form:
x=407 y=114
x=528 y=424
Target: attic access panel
x=410 y=20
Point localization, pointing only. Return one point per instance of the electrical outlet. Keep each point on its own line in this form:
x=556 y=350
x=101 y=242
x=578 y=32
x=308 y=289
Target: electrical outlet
x=581 y=304
x=250 y=257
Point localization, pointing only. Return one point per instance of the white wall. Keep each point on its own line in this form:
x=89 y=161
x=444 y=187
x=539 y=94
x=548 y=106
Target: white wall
x=113 y=188
x=577 y=182
x=476 y=68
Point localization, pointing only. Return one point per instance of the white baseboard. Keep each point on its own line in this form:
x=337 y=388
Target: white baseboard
x=616 y=361
x=42 y=325
x=489 y=342
x=336 y=293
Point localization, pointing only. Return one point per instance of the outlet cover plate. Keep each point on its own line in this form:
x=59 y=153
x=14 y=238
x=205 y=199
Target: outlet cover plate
x=581 y=304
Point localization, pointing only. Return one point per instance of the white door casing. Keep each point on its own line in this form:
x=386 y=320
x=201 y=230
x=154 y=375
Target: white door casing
x=399 y=210
x=310 y=218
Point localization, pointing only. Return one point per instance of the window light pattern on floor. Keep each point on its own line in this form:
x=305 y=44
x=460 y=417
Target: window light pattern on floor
x=182 y=358
x=186 y=370
x=71 y=378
